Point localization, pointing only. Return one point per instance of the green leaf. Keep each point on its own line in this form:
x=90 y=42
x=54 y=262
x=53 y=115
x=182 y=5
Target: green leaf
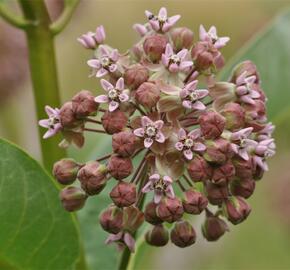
x=36 y=233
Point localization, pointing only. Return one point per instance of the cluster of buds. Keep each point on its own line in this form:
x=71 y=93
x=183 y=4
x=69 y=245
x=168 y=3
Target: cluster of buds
x=210 y=143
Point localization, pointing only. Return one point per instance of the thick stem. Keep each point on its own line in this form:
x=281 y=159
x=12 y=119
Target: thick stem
x=43 y=72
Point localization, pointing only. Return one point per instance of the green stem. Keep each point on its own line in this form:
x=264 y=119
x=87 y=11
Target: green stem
x=43 y=72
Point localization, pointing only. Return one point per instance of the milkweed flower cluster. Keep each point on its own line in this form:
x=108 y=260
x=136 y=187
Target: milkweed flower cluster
x=201 y=144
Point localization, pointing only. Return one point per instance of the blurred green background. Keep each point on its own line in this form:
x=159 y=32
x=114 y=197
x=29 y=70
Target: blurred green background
x=263 y=240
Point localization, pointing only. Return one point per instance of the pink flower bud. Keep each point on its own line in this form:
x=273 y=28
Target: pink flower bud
x=124 y=194
x=216 y=194
x=212 y=124
x=92 y=177
x=83 y=104
x=135 y=75
x=170 y=210
x=65 y=171
x=147 y=94
x=124 y=143
x=133 y=219
x=243 y=187
x=194 y=202
x=234 y=115
x=67 y=116
x=223 y=174
x=158 y=236
x=151 y=215
x=114 y=122
x=202 y=56
x=183 y=234
x=244 y=168
x=199 y=169
x=236 y=210
x=248 y=66
x=213 y=228
x=111 y=219
x=154 y=46
x=72 y=198
x=182 y=37
x=120 y=167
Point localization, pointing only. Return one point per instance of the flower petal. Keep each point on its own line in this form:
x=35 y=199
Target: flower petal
x=221 y=42
x=194 y=134
x=187 y=104
x=139 y=132
x=146 y=121
x=188 y=154
x=106 y=85
x=148 y=142
x=113 y=105
x=201 y=93
x=51 y=132
x=123 y=97
x=102 y=99
x=202 y=33
x=157 y=196
x=185 y=64
x=170 y=192
x=120 y=84
x=162 y=13
x=113 y=68
x=160 y=137
x=147 y=187
x=158 y=124
x=94 y=63
x=181 y=134
x=182 y=54
x=167 y=179
x=179 y=146
x=101 y=72
x=168 y=50
x=154 y=177
x=199 y=147
x=129 y=241
x=44 y=123
x=198 y=105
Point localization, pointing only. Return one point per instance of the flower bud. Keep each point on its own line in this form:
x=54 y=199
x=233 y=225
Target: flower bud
x=114 y=122
x=124 y=143
x=147 y=94
x=154 y=46
x=248 y=66
x=170 y=210
x=183 y=234
x=158 y=236
x=244 y=168
x=151 y=215
x=67 y=116
x=234 y=115
x=182 y=37
x=216 y=194
x=199 y=169
x=202 y=56
x=111 y=219
x=213 y=228
x=120 y=167
x=236 y=210
x=243 y=187
x=135 y=75
x=133 y=219
x=72 y=198
x=124 y=194
x=194 y=202
x=223 y=174
x=258 y=173
x=92 y=177
x=212 y=124
x=83 y=104
x=65 y=171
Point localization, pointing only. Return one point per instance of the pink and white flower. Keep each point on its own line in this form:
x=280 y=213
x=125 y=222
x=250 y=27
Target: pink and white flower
x=263 y=150
x=212 y=37
x=52 y=123
x=115 y=95
x=188 y=143
x=91 y=40
x=191 y=96
x=162 y=186
x=106 y=62
x=266 y=132
x=162 y=22
x=175 y=62
x=122 y=239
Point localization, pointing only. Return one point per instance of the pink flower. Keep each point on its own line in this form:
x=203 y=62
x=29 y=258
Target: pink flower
x=141 y=29
x=52 y=123
x=121 y=239
x=190 y=96
x=90 y=40
x=175 y=62
x=211 y=36
x=188 y=143
x=266 y=132
x=150 y=131
x=115 y=95
x=161 y=22
x=244 y=89
x=161 y=186
x=106 y=62
x=263 y=150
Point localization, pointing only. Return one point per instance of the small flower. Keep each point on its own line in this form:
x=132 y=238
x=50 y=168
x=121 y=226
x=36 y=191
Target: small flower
x=150 y=131
x=161 y=186
x=266 y=132
x=106 y=62
x=175 y=62
x=245 y=91
x=141 y=29
x=263 y=150
x=188 y=143
x=191 y=96
x=211 y=36
x=122 y=239
x=115 y=95
x=52 y=123
x=161 y=22
x=91 y=40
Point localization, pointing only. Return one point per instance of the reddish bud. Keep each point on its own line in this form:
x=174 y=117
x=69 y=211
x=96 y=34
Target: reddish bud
x=135 y=75
x=120 y=167
x=83 y=104
x=212 y=124
x=124 y=143
x=72 y=198
x=194 y=202
x=216 y=194
x=234 y=115
x=158 y=236
x=151 y=215
x=111 y=219
x=183 y=234
x=67 y=116
x=93 y=177
x=243 y=187
x=65 y=171
x=213 y=228
x=199 y=169
x=248 y=66
x=182 y=37
x=147 y=94
x=170 y=210
x=244 y=168
x=223 y=174
x=133 y=219
x=114 y=122
x=124 y=194
x=154 y=47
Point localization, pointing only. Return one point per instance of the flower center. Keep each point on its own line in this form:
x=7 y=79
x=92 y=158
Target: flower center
x=52 y=121
x=160 y=185
x=193 y=96
x=243 y=143
x=105 y=61
x=175 y=59
x=162 y=19
x=113 y=94
x=150 y=131
x=188 y=143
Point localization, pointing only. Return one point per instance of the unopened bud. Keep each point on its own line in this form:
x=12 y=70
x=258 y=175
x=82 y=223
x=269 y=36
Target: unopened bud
x=170 y=210
x=72 y=198
x=151 y=215
x=244 y=168
x=213 y=228
x=223 y=174
x=158 y=236
x=154 y=46
x=65 y=171
x=124 y=143
x=183 y=234
x=111 y=219
x=194 y=202
x=124 y=194
x=216 y=194
x=202 y=56
x=147 y=94
x=120 y=167
x=243 y=187
x=135 y=75
x=67 y=116
x=133 y=218
x=182 y=37
x=212 y=124
x=234 y=115
x=83 y=104
x=199 y=169
x=114 y=122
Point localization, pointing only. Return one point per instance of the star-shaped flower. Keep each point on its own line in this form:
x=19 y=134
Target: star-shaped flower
x=211 y=36
x=122 y=239
x=90 y=40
